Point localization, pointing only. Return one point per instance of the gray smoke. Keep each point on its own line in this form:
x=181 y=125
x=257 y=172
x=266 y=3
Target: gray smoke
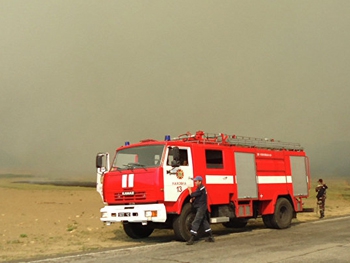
x=79 y=77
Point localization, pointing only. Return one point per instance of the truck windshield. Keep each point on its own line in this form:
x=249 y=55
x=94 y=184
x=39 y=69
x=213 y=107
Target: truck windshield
x=139 y=157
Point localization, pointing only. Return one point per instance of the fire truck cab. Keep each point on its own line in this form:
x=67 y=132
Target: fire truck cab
x=145 y=186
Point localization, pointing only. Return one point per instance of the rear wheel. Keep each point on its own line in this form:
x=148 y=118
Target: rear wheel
x=236 y=223
x=137 y=230
x=267 y=219
x=282 y=218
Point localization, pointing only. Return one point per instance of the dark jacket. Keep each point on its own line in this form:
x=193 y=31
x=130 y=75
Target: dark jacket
x=321 y=191
x=200 y=195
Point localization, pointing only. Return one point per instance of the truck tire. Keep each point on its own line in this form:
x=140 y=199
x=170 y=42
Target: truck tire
x=236 y=223
x=137 y=230
x=267 y=219
x=182 y=223
x=282 y=218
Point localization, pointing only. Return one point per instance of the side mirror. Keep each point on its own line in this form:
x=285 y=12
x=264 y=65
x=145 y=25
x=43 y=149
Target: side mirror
x=99 y=161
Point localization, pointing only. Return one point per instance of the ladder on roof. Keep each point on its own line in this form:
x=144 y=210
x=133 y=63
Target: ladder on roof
x=244 y=141
x=259 y=143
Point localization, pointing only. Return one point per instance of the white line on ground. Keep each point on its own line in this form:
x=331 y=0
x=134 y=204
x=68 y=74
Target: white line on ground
x=330 y=219
x=58 y=259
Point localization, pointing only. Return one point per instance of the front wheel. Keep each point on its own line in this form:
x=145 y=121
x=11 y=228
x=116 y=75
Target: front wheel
x=282 y=218
x=137 y=230
x=182 y=223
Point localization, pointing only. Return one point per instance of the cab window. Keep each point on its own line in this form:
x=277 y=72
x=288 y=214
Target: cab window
x=183 y=157
x=214 y=159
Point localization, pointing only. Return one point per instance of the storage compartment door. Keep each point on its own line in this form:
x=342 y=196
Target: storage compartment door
x=299 y=175
x=246 y=175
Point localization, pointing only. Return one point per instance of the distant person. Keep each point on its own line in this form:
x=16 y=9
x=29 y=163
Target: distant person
x=200 y=203
x=321 y=190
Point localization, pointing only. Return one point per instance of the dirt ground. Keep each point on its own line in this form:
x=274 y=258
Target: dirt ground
x=45 y=220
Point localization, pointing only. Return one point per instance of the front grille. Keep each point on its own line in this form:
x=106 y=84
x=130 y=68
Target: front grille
x=136 y=196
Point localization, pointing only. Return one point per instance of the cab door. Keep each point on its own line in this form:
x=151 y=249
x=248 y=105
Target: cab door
x=177 y=179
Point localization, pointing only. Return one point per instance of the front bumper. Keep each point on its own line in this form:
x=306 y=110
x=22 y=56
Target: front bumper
x=133 y=213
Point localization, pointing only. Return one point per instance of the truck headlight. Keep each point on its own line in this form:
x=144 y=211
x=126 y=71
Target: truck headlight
x=151 y=213
x=148 y=213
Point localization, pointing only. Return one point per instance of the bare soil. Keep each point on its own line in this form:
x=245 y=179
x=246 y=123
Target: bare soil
x=45 y=220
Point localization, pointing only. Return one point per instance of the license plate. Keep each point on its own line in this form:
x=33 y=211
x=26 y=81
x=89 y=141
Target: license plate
x=128 y=193
x=124 y=214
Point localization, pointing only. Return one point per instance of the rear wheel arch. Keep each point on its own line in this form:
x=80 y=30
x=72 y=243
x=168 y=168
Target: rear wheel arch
x=288 y=197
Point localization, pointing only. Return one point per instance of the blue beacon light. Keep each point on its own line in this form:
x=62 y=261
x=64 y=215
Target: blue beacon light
x=167 y=138
x=127 y=143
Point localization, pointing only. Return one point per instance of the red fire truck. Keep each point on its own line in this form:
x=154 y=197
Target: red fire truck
x=145 y=187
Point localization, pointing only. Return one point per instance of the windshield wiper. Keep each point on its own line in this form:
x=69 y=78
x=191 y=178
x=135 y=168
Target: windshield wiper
x=133 y=165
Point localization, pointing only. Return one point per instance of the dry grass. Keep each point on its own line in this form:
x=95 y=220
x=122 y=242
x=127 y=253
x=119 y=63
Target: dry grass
x=42 y=220
x=337 y=202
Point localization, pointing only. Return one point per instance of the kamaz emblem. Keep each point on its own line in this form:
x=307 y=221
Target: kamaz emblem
x=128 y=193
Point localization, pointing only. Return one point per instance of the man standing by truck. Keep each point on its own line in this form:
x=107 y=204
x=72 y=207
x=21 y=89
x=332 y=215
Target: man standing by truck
x=321 y=196
x=199 y=201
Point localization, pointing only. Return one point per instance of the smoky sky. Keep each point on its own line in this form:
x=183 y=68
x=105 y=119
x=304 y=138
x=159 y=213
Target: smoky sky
x=81 y=77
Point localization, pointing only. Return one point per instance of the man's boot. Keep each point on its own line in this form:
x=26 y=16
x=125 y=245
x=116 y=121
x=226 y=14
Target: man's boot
x=210 y=238
x=190 y=241
x=322 y=214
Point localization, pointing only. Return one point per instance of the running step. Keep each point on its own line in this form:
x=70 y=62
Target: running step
x=222 y=219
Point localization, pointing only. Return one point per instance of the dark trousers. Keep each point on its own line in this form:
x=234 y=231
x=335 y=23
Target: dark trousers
x=321 y=205
x=200 y=218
